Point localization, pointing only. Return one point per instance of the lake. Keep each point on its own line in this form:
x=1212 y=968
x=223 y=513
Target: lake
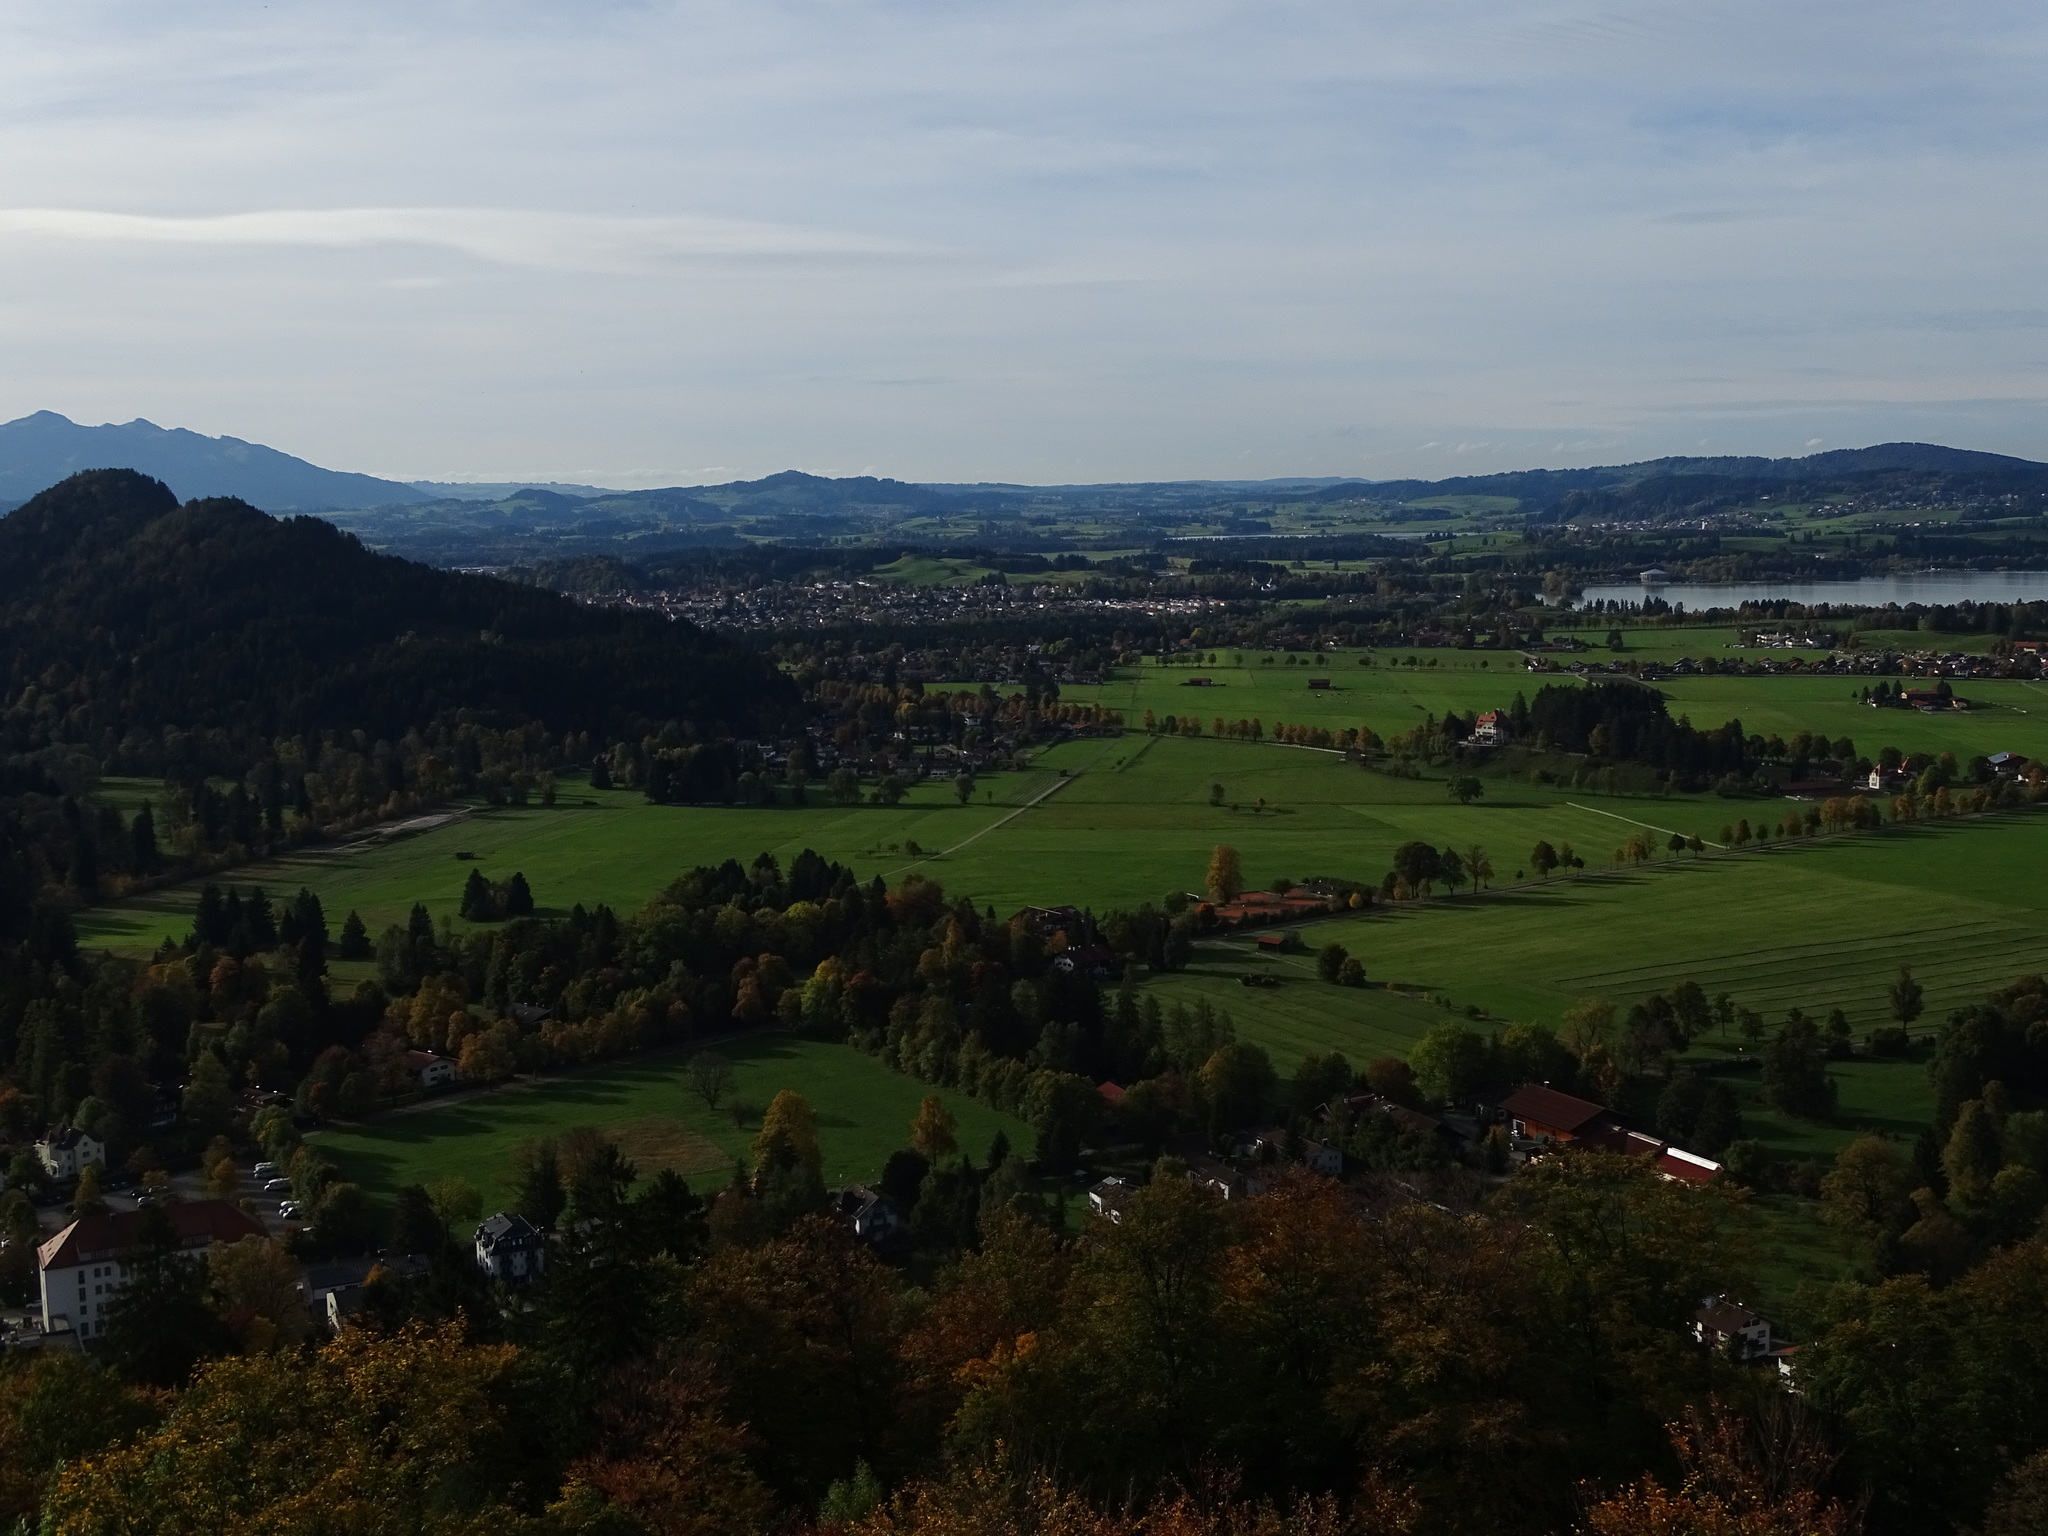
x=1928 y=587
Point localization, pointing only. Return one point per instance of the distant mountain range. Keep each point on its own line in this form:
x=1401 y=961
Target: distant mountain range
x=38 y=451
x=461 y=523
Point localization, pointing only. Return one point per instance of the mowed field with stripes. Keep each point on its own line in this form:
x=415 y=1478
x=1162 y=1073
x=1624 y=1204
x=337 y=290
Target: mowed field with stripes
x=1814 y=925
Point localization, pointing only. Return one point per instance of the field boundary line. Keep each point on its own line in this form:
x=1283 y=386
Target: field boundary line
x=1647 y=826
x=1051 y=789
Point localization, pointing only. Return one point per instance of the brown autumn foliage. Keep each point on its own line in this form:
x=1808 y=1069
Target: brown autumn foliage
x=669 y=1458
x=1744 y=1476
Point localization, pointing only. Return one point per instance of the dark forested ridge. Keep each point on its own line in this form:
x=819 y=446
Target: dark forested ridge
x=124 y=613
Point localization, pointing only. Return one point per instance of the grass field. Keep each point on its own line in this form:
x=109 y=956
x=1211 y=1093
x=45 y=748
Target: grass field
x=2007 y=715
x=597 y=846
x=1815 y=925
x=864 y=1113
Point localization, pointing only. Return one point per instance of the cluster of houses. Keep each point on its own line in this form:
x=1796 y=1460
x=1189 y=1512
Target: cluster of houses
x=85 y=1266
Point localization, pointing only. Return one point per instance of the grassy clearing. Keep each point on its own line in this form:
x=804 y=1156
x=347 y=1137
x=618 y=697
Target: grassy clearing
x=864 y=1113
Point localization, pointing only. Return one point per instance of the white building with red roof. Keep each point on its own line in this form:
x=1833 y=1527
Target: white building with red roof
x=84 y=1266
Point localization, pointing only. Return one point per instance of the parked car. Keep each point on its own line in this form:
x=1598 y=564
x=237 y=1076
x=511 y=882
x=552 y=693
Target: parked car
x=288 y=1210
x=277 y=1187
x=267 y=1170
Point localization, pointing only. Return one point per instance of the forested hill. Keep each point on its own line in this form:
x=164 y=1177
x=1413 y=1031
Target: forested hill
x=124 y=613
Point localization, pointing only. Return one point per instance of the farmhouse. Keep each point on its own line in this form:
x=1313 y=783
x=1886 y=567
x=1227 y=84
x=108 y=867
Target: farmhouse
x=1931 y=699
x=67 y=1152
x=84 y=1266
x=430 y=1070
x=1490 y=730
x=1723 y=1324
x=1539 y=1113
x=1542 y=1114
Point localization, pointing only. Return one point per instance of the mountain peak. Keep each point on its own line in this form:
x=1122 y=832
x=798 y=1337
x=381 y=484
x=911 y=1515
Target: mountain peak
x=43 y=448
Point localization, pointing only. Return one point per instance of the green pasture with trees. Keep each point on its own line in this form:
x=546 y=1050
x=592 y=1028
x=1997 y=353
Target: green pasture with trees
x=1395 y=690
x=661 y=1118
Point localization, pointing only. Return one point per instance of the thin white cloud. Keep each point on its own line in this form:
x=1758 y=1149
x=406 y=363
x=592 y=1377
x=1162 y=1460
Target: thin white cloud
x=549 y=241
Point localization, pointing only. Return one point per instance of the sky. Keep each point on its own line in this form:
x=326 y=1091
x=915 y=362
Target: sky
x=964 y=240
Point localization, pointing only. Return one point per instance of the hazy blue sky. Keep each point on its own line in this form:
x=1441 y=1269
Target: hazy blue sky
x=660 y=243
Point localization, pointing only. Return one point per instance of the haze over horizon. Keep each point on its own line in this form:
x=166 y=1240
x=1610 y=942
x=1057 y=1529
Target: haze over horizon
x=642 y=245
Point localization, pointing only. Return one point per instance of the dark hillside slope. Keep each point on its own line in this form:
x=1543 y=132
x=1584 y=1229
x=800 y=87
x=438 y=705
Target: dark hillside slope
x=127 y=612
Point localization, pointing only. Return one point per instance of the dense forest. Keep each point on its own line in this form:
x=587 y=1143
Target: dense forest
x=1422 y=1349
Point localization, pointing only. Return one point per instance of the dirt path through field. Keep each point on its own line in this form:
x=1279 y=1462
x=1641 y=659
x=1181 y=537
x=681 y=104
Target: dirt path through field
x=1051 y=789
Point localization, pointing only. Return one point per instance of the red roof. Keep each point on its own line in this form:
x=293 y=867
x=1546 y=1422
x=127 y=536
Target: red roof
x=1546 y=1106
x=1687 y=1167
x=1111 y=1092
x=197 y=1223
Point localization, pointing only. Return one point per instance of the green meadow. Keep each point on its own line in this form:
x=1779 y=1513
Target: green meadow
x=864 y=1113
x=595 y=846
x=1110 y=822
x=1391 y=696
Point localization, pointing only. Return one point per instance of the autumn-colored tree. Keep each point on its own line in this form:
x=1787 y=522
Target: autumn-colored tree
x=802 y=1331
x=1007 y=1291
x=668 y=1458
x=85 y=1196
x=255 y=1285
x=789 y=1177
x=1740 y=1480
x=934 y=1133
x=56 y=1407
x=1225 y=879
x=790 y=1117
x=376 y=1433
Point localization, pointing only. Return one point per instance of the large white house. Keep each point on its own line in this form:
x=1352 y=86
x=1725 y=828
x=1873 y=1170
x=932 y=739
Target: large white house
x=509 y=1249
x=86 y=1264
x=67 y=1152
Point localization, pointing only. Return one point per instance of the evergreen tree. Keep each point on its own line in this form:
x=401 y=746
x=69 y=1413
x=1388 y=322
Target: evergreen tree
x=142 y=849
x=310 y=962
x=256 y=911
x=600 y=773
x=355 y=938
x=541 y=1196
x=210 y=919
x=476 y=897
x=518 y=896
